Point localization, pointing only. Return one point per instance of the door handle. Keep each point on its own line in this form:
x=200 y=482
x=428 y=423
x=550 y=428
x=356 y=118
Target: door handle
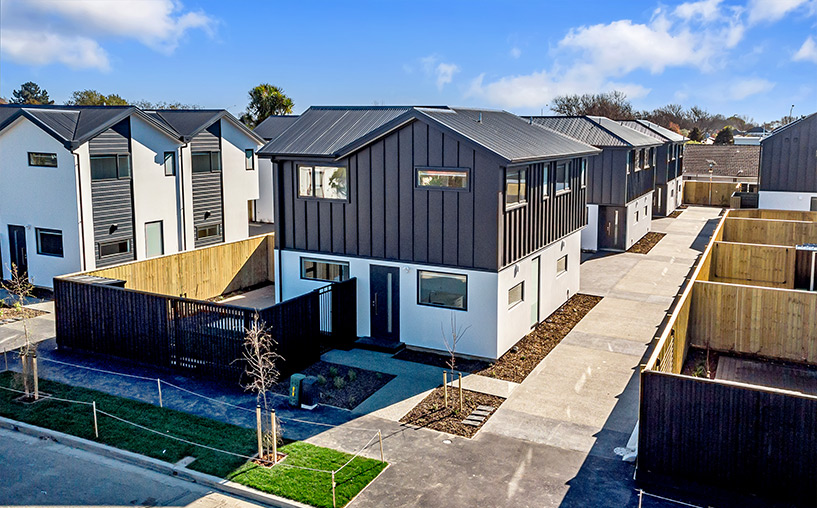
x=374 y=304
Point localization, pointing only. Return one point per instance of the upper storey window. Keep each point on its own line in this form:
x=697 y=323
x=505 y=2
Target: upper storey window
x=108 y=167
x=325 y=182
x=47 y=160
x=442 y=178
x=562 y=177
x=516 y=187
x=205 y=162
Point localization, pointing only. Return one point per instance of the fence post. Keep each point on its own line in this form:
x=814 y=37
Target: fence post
x=334 y=503
x=380 y=436
x=274 y=438
x=258 y=431
x=445 y=387
x=36 y=380
x=159 y=384
x=96 y=425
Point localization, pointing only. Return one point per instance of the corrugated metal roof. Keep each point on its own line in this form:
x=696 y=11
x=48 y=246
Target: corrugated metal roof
x=654 y=130
x=324 y=131
x=273 y=126
x=334 y=131
x=785 y=127
x=598 y=131
x=507 y=135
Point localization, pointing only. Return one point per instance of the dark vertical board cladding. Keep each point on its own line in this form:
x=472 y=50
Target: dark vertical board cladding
x=392 y=197
x=379 y=200
x=465 y=210
x=420 y=222
x=406 y=197
x=313 y=220
x=436 y=216
x=788 y=159
x=364 y=204
x=352 y=207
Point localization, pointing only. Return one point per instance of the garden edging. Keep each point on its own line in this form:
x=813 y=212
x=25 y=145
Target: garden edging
x=157 y=465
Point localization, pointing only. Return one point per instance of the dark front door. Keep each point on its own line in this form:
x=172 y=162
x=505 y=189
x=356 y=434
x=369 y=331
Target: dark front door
x=611 y=230
x=17 y=248
x=384 y=291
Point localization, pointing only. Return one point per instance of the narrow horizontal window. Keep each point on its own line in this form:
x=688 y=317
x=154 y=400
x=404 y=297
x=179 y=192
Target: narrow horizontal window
x=114 y=248
x=208 y=231
x=562 y=177
x=516 y=187
x=443 y=178
x=109 y=167
x=325 y=182
x=249 y=160
x=49 y=242
x=561 y=265
x=170 y=163
x=516 y=294
x=443 y=290
x=205 y=162
x=46 y=160
x=327 y=271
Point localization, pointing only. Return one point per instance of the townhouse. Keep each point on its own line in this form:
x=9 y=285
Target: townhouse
x=788 y=166
x=269 y=129
x=621 y=180
x=440 y=213
x=669 y=165
x=95 y=186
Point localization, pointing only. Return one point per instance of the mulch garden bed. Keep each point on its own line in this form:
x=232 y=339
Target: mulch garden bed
x=339 y=385
x=675 y=214
x=696 y=363
x=647 y=242
x=431 y=413
x=440 y=360
x=521 y=359
x=11 y=314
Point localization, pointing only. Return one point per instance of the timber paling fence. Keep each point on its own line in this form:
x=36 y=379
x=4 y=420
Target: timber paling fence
x=198 y=337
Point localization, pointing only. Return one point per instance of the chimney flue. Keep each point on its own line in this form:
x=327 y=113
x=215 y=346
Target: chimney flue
x=479 y=120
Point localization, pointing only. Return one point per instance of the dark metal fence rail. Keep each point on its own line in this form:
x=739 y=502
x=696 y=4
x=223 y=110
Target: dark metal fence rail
x=753 y=440
x=197 y=337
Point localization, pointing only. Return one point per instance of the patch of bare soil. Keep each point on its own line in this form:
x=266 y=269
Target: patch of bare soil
x=675 y=214
x=440 y=360
x=10 y=314
x=647 y=242
x=431 y=413
x=682 y=207
x=520 y=360
x=339 y=385
x=700 y=364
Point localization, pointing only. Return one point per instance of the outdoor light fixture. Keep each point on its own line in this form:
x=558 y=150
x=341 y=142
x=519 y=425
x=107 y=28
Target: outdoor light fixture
x=207 y=214
x=113 y=229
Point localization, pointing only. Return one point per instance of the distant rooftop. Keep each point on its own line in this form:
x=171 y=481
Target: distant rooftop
x=273 y=126
x=730 y=160
x=598 y=131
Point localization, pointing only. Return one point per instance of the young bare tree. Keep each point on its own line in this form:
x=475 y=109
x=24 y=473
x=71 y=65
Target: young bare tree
x=20 y=288
x=450 y=340
x=261 y=358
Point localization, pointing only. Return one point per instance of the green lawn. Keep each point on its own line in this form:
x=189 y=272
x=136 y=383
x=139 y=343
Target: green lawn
x=300 y=485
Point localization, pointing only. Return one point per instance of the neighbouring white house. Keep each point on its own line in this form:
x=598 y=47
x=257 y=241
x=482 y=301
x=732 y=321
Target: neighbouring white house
x=269 y=129
x=94 y=186
x=439 y=213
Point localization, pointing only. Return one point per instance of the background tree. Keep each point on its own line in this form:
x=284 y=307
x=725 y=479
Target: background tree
x=95 y=98
x=725 y=136
x=610 y=104
x=266 y=100
x=30 y=93
x=674 y=127
x=148 y=105
x=696 y=135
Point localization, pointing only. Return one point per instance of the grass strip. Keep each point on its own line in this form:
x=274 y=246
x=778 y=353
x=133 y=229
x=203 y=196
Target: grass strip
x=77 y=419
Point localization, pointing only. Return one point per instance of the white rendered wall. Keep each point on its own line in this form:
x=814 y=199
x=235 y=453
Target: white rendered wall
x=266 y=196
x=672 y=194
x=240 y=185
x=155 y=196
x=778 y=200
x=38 y=197
x=637 y=229
x=515 y=322
x=186 y=191
x=419 y=324
x=590 y=233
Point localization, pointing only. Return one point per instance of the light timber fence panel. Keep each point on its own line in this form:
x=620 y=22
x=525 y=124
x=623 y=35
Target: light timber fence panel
x=774 y=323
x=769 y=231
x=698 y=193
x=201 y=273
x=757 y=265
x=796 y=215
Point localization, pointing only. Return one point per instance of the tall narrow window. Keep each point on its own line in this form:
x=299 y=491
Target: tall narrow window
x=154 y=239
x=630 y=160
x=170 y=163
x=562 y=177
x=546 y=181
x=516 y=294
x=249 y=162
x=516 y=187
x=583 y=178
x=561 y=265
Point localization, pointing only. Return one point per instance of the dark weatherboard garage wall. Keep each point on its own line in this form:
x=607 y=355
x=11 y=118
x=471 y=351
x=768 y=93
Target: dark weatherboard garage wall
x=788 y=158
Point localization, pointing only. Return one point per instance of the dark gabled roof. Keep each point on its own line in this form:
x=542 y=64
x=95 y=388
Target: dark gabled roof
x=654 y=130
x=598 y=131
x=189 y=122
x=273 y=126
x=337 y=131
x=74 y=125
x=788 y=125
x=730 y=160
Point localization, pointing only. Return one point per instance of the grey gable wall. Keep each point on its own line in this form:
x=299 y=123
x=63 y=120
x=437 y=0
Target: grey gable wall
x=788 y=160
x=387 y=217
x=208 y=198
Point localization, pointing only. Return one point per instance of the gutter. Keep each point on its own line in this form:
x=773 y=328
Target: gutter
x=83 y=262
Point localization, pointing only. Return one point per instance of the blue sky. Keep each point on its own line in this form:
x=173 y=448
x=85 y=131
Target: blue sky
x=753 y=57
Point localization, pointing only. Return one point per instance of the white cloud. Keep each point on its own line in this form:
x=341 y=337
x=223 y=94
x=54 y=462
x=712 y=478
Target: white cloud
x=744 y=88
x=807 y=52
x=771 y=10
x=78 y=28
x=515 y=52
x=705 y=10
x=443 y=72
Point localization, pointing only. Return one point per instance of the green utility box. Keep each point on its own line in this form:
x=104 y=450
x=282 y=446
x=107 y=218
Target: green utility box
x=295 y=383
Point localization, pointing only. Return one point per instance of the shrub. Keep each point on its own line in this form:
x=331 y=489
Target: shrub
x=321 y=380
x=352 y=375
x=333 y=371
x=340 y=382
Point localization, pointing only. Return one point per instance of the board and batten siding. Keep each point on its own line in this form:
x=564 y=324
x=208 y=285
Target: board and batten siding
x=540 y=222
x=386 y=216
x=608 y=181
x=208 y=199
x=113 y=217
x=788 y=159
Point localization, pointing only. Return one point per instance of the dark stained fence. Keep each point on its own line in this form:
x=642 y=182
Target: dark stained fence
x=754 y=440
x=196 y=337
